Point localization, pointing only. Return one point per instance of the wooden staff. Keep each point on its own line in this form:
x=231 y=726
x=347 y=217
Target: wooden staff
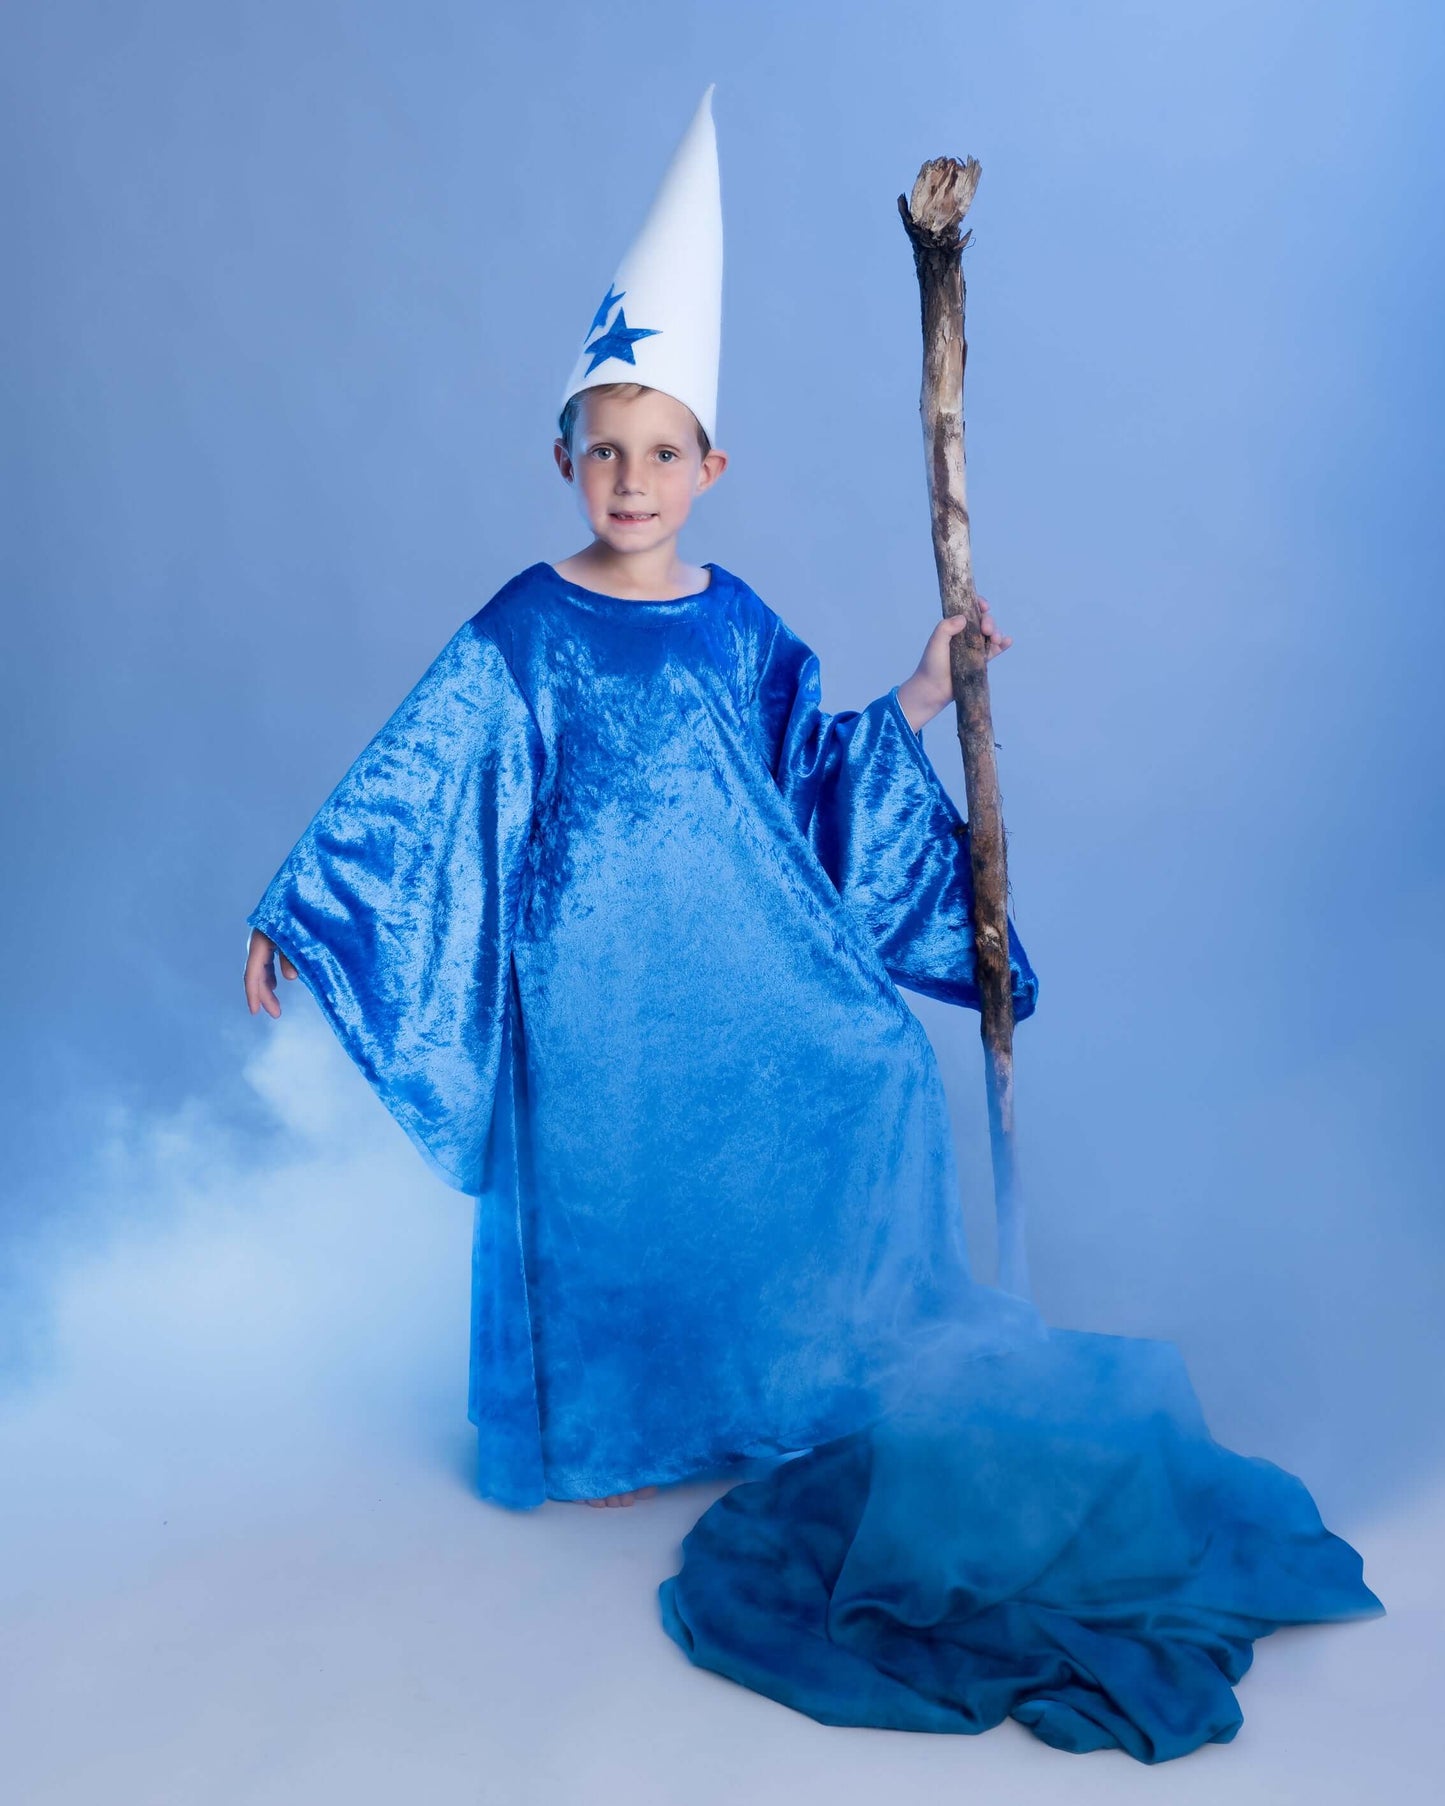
x=932 y=215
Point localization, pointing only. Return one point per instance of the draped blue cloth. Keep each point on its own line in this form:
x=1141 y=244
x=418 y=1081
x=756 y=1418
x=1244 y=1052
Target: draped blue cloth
x=1051 y=1535
x=614 y=916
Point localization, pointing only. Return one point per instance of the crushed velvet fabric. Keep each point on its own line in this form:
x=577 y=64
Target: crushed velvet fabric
x=1051 y=1535
x=613 y=915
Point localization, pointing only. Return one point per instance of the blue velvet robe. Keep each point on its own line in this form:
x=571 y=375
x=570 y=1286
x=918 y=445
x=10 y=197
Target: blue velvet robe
x=613 y=915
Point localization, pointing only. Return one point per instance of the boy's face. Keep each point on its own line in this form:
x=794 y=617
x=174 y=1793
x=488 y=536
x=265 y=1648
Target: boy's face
x=637 y=465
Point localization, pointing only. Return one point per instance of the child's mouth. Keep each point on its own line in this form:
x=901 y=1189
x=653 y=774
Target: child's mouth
x=631 y=520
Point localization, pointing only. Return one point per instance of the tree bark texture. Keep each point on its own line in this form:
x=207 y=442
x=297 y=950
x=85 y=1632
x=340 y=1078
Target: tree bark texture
x=932 y=216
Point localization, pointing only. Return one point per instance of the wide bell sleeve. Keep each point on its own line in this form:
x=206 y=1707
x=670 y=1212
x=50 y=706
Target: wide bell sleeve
x=863 y=790
x=397 y=905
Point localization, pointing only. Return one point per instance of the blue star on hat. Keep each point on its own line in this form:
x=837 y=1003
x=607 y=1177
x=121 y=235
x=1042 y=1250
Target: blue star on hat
x=609 y=301
x=618 y=340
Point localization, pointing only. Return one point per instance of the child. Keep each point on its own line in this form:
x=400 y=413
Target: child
x=727 y=1170
x=612 y=913
x=614 y=916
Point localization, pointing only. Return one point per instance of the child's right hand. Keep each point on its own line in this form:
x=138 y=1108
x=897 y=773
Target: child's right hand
x=261 y=954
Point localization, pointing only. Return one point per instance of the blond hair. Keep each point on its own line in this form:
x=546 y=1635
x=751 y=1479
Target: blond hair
x=567 y=420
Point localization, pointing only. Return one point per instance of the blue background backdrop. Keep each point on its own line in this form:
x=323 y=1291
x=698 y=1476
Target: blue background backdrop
x=291 y=291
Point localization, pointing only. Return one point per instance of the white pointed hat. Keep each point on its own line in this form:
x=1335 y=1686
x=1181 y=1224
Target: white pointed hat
x=660 y=322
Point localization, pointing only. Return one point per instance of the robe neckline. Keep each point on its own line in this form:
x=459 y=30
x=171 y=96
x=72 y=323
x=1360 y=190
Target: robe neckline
x=550 y=574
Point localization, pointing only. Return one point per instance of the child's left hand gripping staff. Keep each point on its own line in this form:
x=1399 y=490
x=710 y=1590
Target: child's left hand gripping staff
x=930 y=688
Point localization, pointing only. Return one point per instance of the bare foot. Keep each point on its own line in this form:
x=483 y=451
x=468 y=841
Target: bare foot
x=623 y=1498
